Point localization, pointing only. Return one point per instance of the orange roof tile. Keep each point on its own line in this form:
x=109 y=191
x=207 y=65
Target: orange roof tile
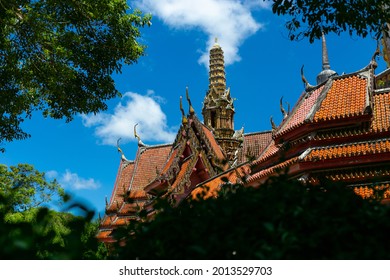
x=368 y=191
x=381 y=112
x=182 y=173
x=272 y=170
x=132 y=207
x=345 y=98
x=348 y=150
x=121 y=221
x=103 y=234
x=106 y=221
x=213 y=142
x=210 y=189
x=170 y=160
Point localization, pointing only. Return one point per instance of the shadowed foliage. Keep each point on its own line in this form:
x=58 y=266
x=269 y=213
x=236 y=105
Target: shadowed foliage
x=281 y=219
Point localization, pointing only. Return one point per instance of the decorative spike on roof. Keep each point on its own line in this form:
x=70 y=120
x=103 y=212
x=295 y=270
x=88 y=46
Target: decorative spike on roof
x=326 y=72
x=325 y=58
x=191 y=109
x=308 y=87
x=120 y=150
x=140 y=143
x=184 y=120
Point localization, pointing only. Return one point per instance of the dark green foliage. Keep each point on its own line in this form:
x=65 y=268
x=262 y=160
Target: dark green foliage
x=308 y=18
x=280 y=220
x=58 y=57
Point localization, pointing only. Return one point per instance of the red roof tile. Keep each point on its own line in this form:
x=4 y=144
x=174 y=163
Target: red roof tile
x=271 y=150
x=300 y=111
x=149 y=160
x=125 y=172
x=254 y=144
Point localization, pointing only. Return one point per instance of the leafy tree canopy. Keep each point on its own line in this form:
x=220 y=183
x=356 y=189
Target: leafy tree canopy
x=309 y=18
x=27 y=188
x=58 y=57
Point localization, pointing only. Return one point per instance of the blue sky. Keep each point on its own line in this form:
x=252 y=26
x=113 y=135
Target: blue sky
x=262 y=66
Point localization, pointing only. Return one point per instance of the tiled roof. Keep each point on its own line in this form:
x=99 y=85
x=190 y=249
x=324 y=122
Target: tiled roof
x=349 y=150
x=211 y=187
x=106 y=221
x=104 y=234
x=182 y=173
x=381 y=112
x=149 y=159
x=272 y=170
x=358 y=173
x=170 y=160
x=254 y=144
x=125 y=172
x=300 y=111
x=341 y=97
x=271 y=150
x=121 y=221
x=368 y=191
x=347 y=97
x=132 y=207
x=213 y=142
x=133 y=177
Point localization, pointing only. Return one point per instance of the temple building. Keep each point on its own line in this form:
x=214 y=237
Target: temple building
x=339 y=129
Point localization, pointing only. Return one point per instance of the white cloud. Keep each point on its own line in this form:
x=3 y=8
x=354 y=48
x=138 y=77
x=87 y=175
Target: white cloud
x=69 y=180
x=134 y=108
x=231 y=21
x=52 y=174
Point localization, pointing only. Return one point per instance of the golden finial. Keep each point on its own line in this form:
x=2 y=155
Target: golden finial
x=120 y=150
x=192 y=111
x=273 y=125
x=140 y=143
x=284 y=112
x=184 y=119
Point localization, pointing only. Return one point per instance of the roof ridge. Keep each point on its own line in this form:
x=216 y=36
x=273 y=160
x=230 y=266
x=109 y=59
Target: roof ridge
x=257 y=132
x=158 y=146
